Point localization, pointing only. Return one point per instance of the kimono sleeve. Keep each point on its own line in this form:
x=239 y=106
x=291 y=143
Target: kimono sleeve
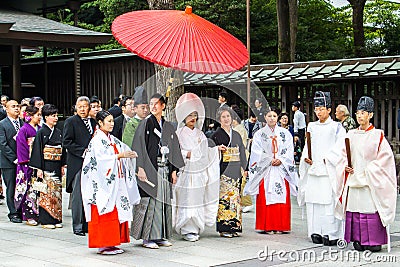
x=22 y=146
x=37 y=160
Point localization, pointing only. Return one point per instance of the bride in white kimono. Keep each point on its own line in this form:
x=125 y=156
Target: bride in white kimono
x=197 y=188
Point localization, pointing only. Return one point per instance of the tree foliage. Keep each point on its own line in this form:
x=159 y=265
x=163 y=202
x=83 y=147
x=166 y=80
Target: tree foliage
x=324 y=31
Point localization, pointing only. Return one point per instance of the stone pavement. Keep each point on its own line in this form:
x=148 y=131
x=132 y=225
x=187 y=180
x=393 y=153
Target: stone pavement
x=21 y=244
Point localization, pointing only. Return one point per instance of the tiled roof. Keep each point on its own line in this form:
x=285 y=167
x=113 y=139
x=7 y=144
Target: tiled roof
x=316 y=71
x=32 y=28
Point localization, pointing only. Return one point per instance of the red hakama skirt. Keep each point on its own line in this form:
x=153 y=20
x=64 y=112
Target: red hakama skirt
x=274 y=217
x=106 y=230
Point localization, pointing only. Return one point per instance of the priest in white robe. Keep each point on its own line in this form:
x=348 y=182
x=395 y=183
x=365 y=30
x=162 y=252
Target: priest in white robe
x=367 y=186
x=197 y=188
x=316 y=190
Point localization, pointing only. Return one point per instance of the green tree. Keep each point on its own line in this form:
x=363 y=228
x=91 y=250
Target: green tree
x=382 y=28
x=324 y=32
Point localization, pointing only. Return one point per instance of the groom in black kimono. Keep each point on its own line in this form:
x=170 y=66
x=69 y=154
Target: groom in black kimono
x=159 y=159
x=78 y=131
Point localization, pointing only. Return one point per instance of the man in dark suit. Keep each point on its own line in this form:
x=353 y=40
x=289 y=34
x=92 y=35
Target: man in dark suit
x=115 y=110
x=120 y=121
x=78 y=131
x=3 y=113
x=9 y=128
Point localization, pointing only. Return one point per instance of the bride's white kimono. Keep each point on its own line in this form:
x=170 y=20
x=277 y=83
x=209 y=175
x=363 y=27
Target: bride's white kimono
x=197 y=188
x=106 y=181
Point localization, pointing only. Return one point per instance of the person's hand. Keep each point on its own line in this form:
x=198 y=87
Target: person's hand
x=245 y=174
x=309 y=161
x=63 y=170
x=40 y=174
x=142 y=175
x=276 y=162
x=222 y=148
x=189 y=154
x=174 y=177
x=127 y=154
x=349 y=170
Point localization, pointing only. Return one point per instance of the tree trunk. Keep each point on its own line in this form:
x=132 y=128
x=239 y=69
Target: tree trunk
x=293 y=8
x=163 y=74
x=282 y=10
x=358 y=27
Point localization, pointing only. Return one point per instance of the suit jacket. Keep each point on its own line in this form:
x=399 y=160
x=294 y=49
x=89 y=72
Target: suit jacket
x=8 y=145
x=115 y=111
x=76 y=139
x=3 y=113
x=119 y=126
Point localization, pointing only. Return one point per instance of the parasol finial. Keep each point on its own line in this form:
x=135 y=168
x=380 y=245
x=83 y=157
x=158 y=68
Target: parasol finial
x=188 y=10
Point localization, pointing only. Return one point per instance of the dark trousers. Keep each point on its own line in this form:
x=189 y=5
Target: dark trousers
x=302 y=137
x=9 y=177
x=79 y=223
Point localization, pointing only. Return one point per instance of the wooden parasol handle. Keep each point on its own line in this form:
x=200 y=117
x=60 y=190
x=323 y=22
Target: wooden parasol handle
x=308 y=137
x=348 y=152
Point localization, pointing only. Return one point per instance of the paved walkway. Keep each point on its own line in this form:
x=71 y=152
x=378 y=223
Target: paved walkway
x=23 y=245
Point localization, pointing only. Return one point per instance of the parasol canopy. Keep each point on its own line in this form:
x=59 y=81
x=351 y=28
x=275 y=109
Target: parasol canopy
x=180 y=40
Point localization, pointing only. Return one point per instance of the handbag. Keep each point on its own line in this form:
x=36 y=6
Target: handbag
x=39 y=185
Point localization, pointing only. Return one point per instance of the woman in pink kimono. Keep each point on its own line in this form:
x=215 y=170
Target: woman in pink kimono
x=367 y=190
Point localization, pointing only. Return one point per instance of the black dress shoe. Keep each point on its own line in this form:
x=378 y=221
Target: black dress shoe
x=373 y=248
x=15 y=219
x=357 y=246
x=316 y=238
x=327 y=242
x=80 y=233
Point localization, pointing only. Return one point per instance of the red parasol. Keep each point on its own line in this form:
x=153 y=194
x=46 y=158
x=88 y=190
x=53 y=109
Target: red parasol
x=180 y=40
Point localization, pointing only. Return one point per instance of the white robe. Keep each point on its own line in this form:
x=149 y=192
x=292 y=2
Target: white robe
x=316 y=189
x=373 y=185
x=106 y=181
x=274 y=176
x=197 y=188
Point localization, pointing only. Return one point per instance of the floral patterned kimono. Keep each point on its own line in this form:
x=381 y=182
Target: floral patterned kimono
x=229 y=217
x=109 y=190
x=25 y=197
x=272 y=184
x=48 y=156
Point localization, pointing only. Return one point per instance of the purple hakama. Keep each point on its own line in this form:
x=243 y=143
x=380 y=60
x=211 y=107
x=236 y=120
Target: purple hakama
x=365 y=228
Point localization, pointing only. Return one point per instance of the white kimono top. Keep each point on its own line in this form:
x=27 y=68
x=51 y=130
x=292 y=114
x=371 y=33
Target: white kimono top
x=267 y=144
x=197 y=188
x=315 y=186
x=373 y=186
x=106 y=181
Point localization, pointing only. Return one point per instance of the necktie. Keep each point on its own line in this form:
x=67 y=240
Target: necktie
x=16 y=123
x=87 y=123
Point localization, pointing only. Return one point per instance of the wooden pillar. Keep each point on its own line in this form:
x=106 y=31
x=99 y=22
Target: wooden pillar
x=389 y=117
x=16 y=72
x=350 y=98
x=46 y=75
x=77 y=73
x=74 y=5
x=284 y=99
